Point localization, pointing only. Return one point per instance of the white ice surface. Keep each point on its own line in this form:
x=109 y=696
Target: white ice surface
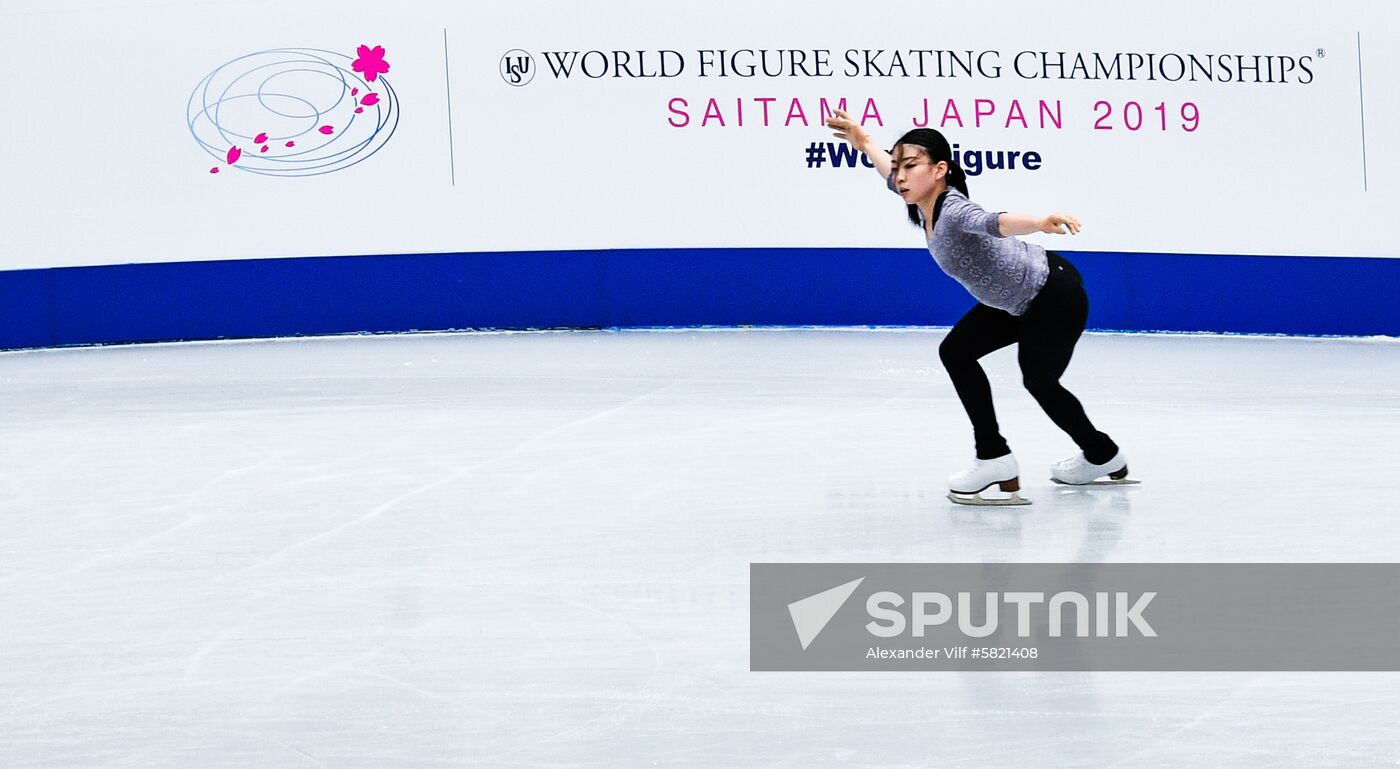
x=532 y=550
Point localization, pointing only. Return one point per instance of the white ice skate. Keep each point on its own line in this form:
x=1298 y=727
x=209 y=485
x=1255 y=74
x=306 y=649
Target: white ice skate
x=1077 y=471
x=972 y=487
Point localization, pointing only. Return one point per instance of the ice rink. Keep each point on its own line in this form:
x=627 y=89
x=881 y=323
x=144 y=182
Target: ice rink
x=532 y=549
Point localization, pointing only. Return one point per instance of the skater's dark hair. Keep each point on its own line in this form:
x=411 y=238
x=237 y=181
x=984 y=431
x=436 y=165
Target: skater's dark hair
x=937 y=149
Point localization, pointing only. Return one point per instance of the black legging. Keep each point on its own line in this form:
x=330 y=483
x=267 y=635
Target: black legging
x=1046 y=333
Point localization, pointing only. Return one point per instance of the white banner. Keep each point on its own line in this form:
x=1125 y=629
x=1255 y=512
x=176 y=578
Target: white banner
x=221 y=130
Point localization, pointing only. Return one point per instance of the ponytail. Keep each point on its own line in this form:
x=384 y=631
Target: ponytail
x=956 y=178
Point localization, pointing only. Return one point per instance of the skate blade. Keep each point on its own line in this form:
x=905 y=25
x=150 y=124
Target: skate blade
x=979 y=500
x=1100 y=482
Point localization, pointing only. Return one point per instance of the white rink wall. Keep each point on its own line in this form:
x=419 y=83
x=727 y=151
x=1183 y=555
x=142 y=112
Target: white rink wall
x=1195 y=127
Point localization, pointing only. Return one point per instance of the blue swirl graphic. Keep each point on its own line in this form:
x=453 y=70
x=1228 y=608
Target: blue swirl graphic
x=288 y=94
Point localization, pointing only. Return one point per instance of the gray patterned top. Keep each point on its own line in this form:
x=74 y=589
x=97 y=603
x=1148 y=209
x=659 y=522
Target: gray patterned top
x=1001 y=272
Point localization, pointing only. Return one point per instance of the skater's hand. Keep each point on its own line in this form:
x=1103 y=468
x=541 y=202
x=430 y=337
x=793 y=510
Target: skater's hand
x=1056 y=224
x=847 y=128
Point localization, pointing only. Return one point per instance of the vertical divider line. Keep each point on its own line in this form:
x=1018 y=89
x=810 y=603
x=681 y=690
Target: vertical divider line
x=1361 y=85
x=447 y=70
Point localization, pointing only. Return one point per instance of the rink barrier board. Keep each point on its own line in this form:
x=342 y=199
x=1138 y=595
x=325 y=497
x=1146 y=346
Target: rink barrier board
x=302 y=296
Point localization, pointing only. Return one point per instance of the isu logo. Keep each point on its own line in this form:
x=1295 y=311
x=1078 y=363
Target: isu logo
x=517 y=67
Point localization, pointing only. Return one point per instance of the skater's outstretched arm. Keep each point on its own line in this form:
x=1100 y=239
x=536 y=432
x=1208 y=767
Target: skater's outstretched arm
x=1025 y=224
x=847 y=128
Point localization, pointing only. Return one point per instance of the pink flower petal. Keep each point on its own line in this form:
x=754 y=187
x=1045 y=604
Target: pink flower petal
x=354 y=91
x=370 y=99
x=234 y=153
x=264 y=148
x=358 y=110
x=260 y=138
x=291 y=144
x=214 y=170
x=327 y=130
x=370 y=62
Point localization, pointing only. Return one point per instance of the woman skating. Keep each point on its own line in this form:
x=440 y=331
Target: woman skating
x=1026 y=296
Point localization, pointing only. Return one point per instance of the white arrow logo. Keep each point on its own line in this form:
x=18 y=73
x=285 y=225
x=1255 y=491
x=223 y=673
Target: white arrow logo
x=810 y=615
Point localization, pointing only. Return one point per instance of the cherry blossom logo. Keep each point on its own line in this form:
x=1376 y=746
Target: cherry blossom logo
x=294 y=111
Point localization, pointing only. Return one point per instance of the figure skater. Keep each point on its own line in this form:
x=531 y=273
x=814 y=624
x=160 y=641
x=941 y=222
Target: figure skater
x=1025 y=296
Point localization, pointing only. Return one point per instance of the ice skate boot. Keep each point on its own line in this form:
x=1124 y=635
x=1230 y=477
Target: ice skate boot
x=1077 y=471
x=974 y=487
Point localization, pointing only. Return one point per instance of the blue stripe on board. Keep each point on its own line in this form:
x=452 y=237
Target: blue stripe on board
x=666 y=287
